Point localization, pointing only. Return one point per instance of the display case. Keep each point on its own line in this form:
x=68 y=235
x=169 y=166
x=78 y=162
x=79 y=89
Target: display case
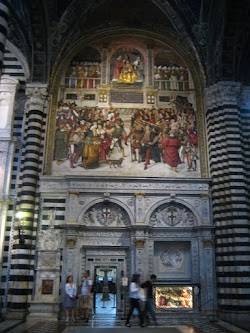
x=179 y=297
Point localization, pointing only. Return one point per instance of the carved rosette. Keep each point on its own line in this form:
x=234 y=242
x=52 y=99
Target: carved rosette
x=172 y=259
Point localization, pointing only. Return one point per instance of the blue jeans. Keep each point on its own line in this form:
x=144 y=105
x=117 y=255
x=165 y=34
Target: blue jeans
x=149 y=307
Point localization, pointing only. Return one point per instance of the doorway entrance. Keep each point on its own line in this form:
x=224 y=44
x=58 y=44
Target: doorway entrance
x=105 y=290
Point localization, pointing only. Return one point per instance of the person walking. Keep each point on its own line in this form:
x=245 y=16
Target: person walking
x=149 y=307
x=134 y=300
x=85 y=297
x=70 y=299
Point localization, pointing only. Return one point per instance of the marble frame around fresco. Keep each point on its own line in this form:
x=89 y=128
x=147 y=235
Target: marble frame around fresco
x=133 y=142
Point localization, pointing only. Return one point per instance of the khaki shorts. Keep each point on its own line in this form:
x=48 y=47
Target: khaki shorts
x=84 y=302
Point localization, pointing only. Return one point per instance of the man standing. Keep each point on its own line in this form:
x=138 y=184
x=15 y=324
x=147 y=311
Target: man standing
x=85 y=302
x=149 y=307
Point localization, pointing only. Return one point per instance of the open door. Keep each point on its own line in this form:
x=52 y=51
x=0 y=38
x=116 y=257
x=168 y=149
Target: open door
x=105 y=291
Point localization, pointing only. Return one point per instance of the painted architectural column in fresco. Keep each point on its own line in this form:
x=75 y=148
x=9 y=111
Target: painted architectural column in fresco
x=104 y=66
x=4 y=18
x=22 y=271
x=8 y=87
x=230 y=194
x=150 y=68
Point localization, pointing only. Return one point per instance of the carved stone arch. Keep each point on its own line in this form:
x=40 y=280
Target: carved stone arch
x=99 y=212
x=22 y=60
x=172 y=213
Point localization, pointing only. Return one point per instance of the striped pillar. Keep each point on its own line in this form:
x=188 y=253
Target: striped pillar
x=4 y=17
x=8 y=87
x=229 y=198
x=23 y=255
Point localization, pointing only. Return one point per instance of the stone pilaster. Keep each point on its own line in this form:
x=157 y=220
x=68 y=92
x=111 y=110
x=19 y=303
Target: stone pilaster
x=208 y=298
x=139 y=208
x=72 y=211
x=139 y=256
x=47 y=288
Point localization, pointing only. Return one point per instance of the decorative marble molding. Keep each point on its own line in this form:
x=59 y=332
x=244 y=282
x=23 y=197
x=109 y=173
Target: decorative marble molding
x=62 y=184
x=49 y=239
x=140 y=207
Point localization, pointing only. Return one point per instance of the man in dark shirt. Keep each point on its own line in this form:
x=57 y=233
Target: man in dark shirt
x=149 y=307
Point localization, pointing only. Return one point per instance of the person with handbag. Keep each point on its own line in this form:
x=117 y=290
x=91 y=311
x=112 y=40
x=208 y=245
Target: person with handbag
x=134 y=300
x=148 y=305
x=70 y=298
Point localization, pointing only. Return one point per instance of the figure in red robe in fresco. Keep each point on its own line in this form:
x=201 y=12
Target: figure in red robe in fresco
x=117 y=67
x=171 y=144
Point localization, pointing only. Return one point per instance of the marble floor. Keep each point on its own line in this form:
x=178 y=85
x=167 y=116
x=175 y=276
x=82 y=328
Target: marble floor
x=112 y=325
x=104 y=320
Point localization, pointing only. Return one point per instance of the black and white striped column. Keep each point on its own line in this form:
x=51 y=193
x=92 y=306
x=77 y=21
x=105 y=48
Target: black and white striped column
x=4 y=18
x=230 y=198
x=23 y=255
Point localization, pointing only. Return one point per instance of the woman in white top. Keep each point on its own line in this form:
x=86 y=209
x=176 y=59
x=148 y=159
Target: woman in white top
x=134 y=299
x=70 y=298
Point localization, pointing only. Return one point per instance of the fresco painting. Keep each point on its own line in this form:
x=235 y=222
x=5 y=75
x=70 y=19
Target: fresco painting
x=127 y=67
x=134 y=142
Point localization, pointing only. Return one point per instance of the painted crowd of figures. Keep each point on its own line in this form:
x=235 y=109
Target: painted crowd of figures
x=171 y=78
x=86 y=75
x=88 y=137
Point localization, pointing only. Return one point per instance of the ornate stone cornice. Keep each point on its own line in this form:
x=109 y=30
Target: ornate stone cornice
x=222 y=93
x=36 y=93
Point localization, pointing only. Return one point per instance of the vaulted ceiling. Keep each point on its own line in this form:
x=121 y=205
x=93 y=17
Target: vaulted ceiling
x=215 y=32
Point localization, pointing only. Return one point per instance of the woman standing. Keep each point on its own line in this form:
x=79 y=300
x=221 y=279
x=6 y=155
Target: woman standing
x=70 y=299
x=134 y=299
